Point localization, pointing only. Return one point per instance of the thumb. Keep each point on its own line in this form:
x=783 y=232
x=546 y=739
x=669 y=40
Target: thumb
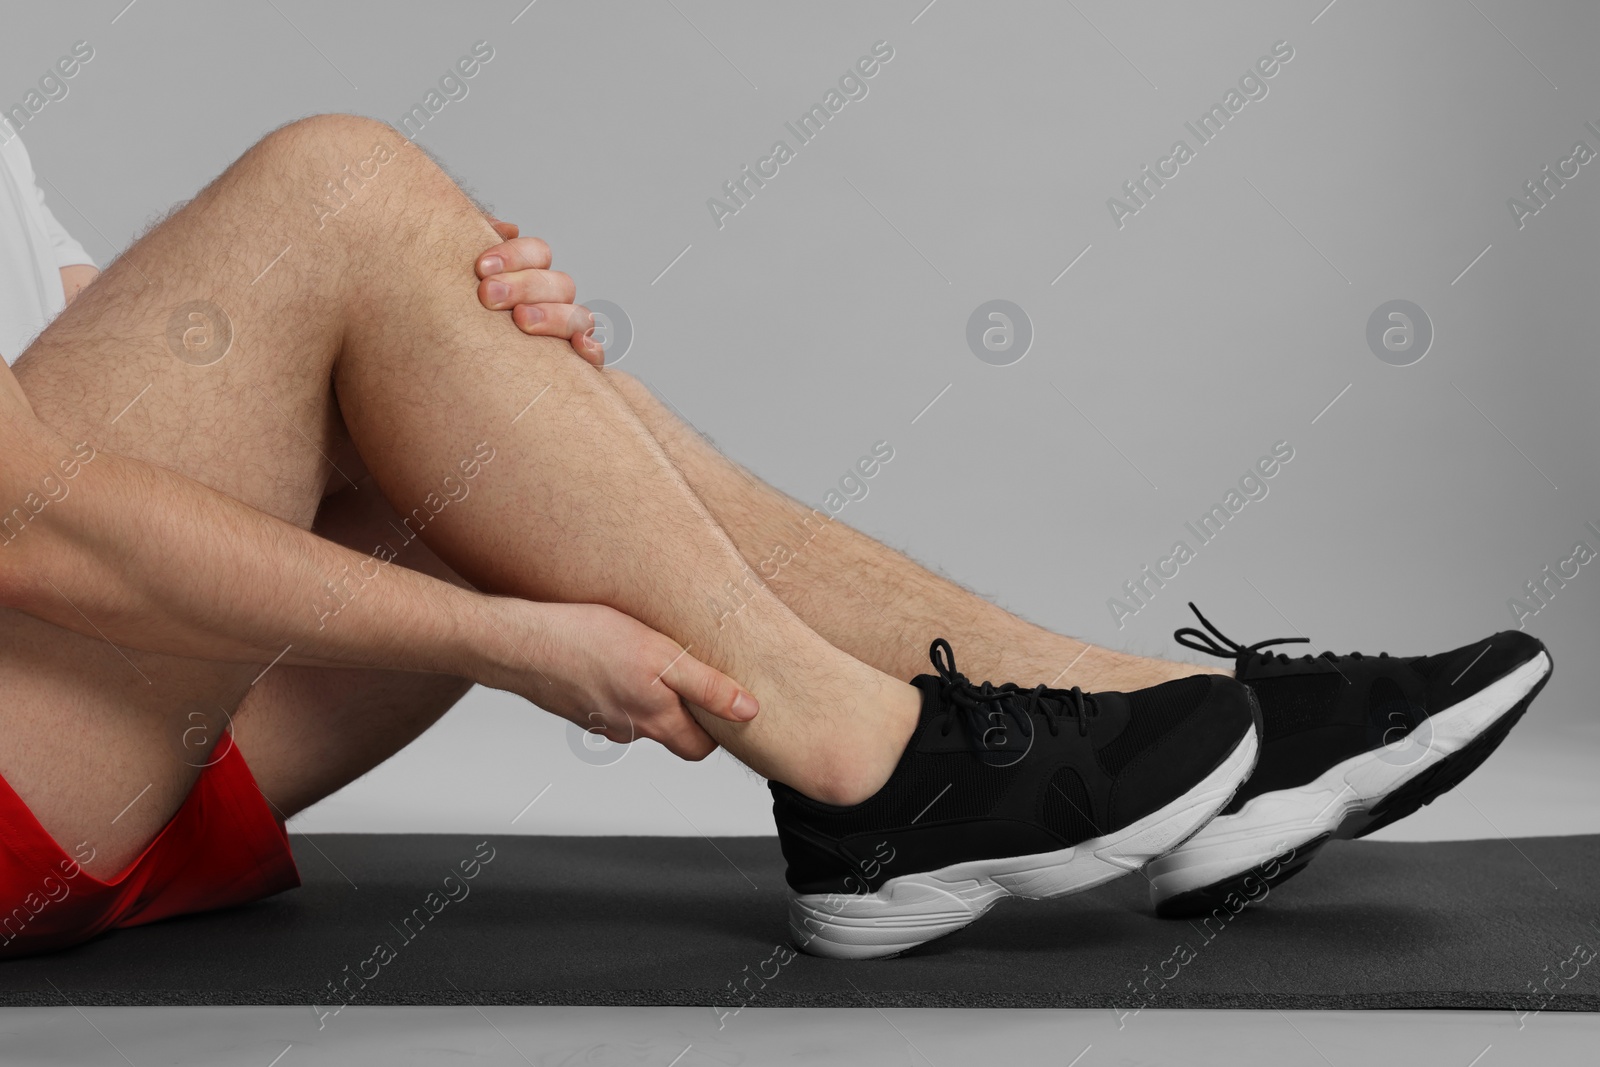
x=708 y=688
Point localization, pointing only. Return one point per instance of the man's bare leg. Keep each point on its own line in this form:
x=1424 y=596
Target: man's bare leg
x=869 y=600
x=309 y=731
x=377 y=298
x=864 y=597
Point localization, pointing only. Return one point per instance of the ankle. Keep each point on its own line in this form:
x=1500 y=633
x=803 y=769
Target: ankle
x=861 y=754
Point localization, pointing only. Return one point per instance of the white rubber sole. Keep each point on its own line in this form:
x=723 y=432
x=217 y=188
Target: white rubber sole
x=916 y=908
x=1340 y=801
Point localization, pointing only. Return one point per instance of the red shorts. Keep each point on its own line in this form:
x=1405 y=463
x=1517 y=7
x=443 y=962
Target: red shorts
x=224 y=846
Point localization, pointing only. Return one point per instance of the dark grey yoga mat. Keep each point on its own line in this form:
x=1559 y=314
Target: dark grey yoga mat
x=639 y=921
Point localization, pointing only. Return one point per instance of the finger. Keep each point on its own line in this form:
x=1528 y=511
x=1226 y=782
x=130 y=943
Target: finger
x=710 y=689
x=506 y=230
x=584 y=343
x=669 y=724
x=500 y=292
x=685 y=739
x=553 y=320
x=570 y=322
x=573 y=322
x=522 y=253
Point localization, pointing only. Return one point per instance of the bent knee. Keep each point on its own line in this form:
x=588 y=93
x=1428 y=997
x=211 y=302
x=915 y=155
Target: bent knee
x=333 y=162
x=334 y=130
x=336 y=155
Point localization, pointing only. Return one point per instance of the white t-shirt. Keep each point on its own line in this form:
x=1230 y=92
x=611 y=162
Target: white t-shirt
x=33 y=249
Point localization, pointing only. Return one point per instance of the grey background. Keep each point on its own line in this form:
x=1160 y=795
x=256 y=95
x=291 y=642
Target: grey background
x=826 y=315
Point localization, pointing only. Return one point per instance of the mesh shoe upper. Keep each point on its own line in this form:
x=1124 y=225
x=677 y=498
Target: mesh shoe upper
x=1319 y=710
x=999 y=771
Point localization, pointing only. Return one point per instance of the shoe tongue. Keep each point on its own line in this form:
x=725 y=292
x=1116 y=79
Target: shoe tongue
x=998 y=736
x=932 y=706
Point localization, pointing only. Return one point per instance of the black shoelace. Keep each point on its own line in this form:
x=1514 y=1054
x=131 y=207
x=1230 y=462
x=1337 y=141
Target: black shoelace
x=981 y=703
x=1216 y=643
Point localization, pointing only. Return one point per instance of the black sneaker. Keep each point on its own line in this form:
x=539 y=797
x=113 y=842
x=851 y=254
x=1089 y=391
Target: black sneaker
x=1350 y=744
x=1004 y=791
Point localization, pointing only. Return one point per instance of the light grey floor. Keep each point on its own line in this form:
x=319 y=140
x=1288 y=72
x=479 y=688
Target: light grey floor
x=690 y=1037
